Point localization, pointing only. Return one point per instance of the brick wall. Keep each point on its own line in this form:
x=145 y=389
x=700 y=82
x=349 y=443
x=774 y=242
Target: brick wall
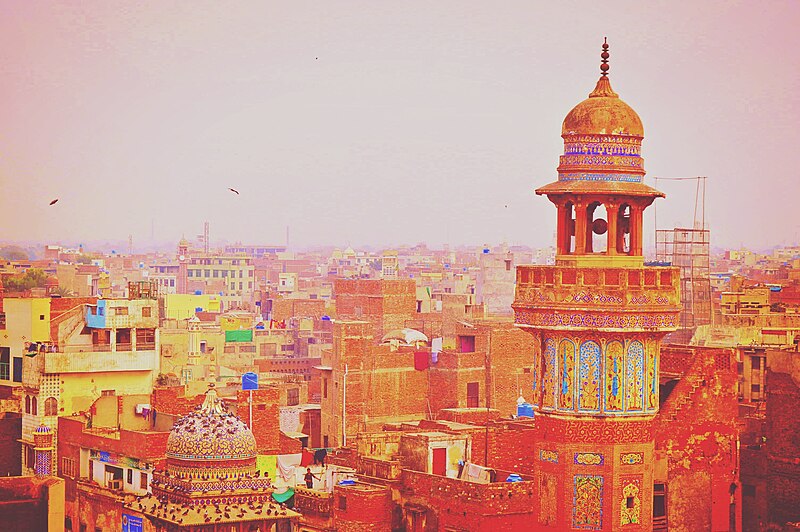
x=362 y=508
x=10 y=447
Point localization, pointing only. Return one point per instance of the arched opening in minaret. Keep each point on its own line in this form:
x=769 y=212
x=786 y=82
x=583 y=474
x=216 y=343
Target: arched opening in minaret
x=596 y=228
x=624 y=229
x=566 y=229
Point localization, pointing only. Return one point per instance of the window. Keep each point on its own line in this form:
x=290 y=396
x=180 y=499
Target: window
x=119 y=311
x=756 y=362
x=5 y=359
x=629 y=502
x=190 y=273
x=2 y=320
x=67 y=523
x=208 y=273
x=325 y=442
x=342 y=503
x=203 y=346
x=34 y=406
x=466 y=344
x=30 y=457
x=659 y=502
x=68 y=467
x=186 y=376
x=473 y=391
x=129 y=476
x=325 y=390
x=27 y=404
x=292 y=397
x=755 y=388
x=147 y=312
x=216 y=273
x=17 y=375
x=41 y=317
x=143 y=481
x=51 y=406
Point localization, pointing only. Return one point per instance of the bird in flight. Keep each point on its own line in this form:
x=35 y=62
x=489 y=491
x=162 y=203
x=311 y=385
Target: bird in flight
x=54 y=201
x=234 y=191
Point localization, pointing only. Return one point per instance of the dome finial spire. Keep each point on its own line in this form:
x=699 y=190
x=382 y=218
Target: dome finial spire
x=604 y=56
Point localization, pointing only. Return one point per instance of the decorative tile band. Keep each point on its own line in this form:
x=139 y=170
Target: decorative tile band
x=596 y=320
x=589 y=459
x=548 y=456
x=631 y=458
x=585 y=176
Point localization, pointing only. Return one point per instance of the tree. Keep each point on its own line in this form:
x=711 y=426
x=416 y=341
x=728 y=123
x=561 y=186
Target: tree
x=32 y=278
x=13 y=253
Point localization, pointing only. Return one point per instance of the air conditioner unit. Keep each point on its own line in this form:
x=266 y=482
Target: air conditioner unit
x=115 y=484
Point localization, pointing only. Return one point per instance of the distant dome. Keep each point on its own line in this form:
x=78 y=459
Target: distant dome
x=405 y=337
x=210 y=434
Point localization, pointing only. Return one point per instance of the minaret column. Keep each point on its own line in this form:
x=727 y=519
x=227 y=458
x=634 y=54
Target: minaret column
x=612 y=208
x=636 y=230
x=580 y=228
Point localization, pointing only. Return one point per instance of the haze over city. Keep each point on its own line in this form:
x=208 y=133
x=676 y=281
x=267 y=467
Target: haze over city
x=380 y=123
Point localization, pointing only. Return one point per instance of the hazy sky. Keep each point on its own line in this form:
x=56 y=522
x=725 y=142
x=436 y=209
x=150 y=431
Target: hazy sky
x=382 y=122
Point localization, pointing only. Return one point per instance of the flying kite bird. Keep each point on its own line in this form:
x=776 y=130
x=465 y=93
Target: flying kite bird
x=234 y=191
x=54 y=201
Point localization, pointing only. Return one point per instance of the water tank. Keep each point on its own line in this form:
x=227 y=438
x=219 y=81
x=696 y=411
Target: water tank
x=513 y=477
x=524 y=410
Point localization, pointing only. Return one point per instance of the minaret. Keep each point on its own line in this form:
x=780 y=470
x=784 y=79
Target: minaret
x=43 y=451
x=183 y=261
x=598 y=316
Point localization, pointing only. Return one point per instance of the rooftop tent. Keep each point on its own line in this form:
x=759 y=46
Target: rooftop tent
x=239 y=336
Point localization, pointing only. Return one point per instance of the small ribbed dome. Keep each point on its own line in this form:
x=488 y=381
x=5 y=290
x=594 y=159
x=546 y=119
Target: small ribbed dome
x=43 y=429
x=602 y=113
x=211 y=433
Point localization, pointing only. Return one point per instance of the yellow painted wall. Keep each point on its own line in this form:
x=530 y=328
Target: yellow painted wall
x=182 y=306
x=83 y=389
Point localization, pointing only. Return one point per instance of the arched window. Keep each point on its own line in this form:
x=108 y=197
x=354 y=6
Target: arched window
x=51 y=406
x=34 y=406
x=624 y=229
x=27 y=404
x=596 y=228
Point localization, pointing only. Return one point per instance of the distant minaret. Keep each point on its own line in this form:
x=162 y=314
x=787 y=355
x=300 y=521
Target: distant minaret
x=43 y=451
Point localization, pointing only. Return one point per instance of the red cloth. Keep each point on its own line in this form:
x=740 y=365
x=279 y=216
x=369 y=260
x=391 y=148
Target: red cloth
x=421 y=360
x=307 y=458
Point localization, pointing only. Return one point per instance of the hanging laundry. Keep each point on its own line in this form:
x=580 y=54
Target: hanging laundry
x=421 y=360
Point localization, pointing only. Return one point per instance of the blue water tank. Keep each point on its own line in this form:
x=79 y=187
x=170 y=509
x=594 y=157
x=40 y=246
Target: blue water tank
x=524 y=410
x=198 y=292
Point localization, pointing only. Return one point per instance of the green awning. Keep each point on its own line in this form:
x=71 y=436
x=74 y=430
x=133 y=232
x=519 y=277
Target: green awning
x=239 y=336
x=283 y=497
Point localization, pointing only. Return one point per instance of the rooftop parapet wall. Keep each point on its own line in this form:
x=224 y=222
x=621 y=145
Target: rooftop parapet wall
x=607 y=299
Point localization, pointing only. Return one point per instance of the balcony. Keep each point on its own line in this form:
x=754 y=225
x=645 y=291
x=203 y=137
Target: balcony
x=313 y=502
x=612 y=299
x=99 y=358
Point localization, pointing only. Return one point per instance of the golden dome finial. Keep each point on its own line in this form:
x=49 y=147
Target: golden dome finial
x=604 y=56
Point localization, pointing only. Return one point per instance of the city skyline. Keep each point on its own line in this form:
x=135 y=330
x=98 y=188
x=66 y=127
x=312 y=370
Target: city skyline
x=377 y=125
